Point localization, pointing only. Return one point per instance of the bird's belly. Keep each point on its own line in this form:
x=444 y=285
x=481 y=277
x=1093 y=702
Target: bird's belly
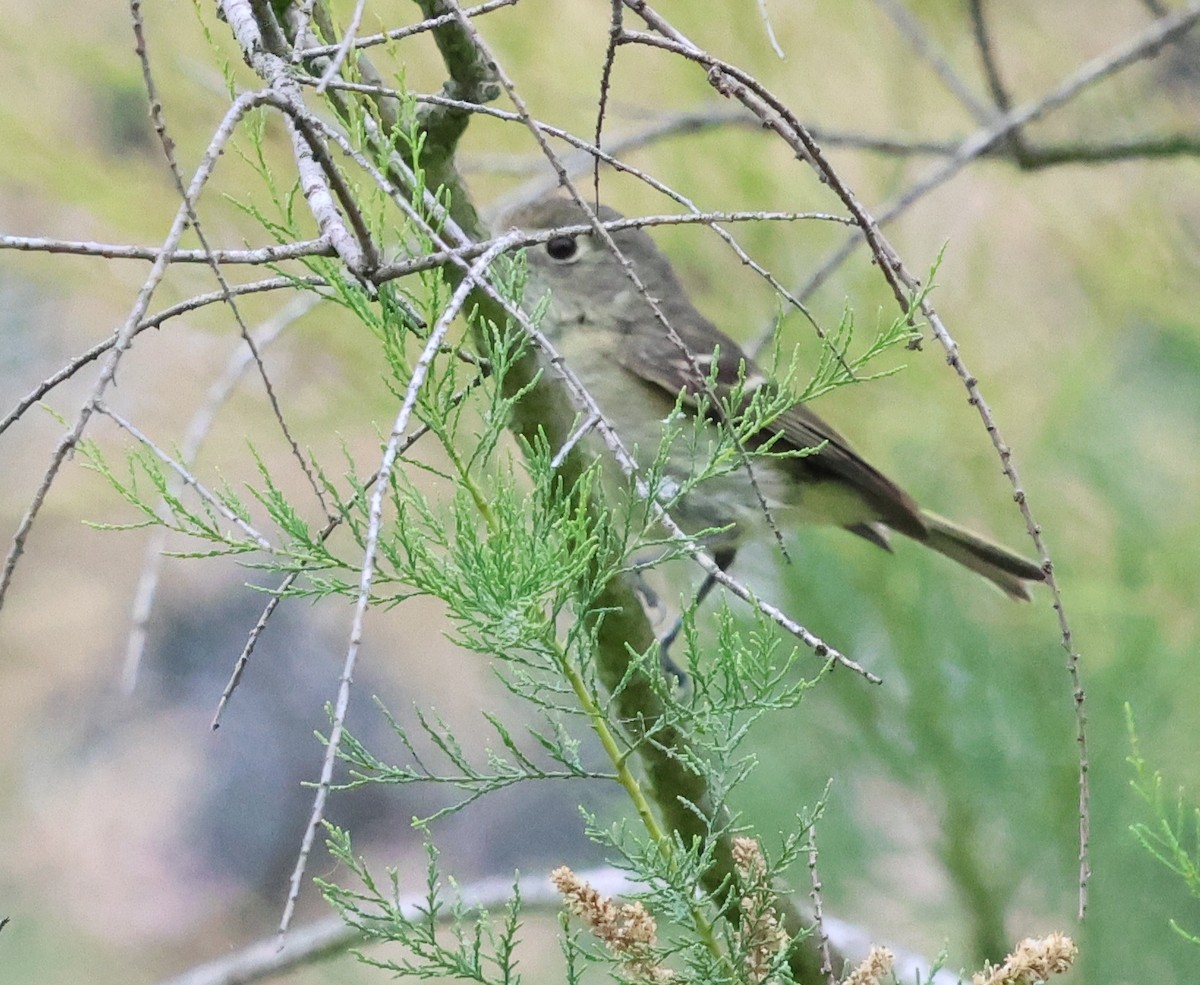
x=775 y=498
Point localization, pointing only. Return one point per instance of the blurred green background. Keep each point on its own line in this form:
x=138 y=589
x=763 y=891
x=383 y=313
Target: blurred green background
x=1074 y=294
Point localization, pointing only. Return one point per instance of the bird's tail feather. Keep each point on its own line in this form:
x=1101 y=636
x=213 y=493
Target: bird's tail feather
x=1002 y=567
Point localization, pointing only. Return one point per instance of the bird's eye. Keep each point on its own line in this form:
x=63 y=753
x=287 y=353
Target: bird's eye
x=562 y=249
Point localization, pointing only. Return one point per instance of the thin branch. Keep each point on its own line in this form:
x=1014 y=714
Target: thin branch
x=259 y=256
x=1144 y=45
x=731 y=81
x=766 y=19
x=420 y=369
x=1051 y=155
x=615 y=28
x=817 y=898
x=73 y=366
x=242 y=105
x=1041 y=155
x=589 y=423
x=991 y=70
x=187 y=478
x=198 y=428
x=916 y=35
x=399 y=33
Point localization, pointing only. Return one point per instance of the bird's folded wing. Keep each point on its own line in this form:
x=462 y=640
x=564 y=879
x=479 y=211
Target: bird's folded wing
x=694 y=374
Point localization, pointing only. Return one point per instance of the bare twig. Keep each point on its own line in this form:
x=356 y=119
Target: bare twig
x=817 y=898
x=616 y=27
x=991 y=70
x=732 y=81
x=197 y=430
x=766 y=19
x=125 y=334
x=916 y=35
x=587 y=425
x=258 y=257
x=1041 y=155
x=399 y=33
x=1144 y=45
x=187 y=478
x=420 y=369
x=75 y=365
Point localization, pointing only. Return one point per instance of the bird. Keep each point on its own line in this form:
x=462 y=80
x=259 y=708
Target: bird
x=612 y=340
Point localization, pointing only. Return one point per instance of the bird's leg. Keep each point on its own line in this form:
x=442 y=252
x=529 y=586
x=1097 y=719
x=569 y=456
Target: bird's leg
x=643 y=589
x=724 y=558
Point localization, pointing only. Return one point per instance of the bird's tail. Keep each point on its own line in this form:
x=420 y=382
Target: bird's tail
x=1003 y=568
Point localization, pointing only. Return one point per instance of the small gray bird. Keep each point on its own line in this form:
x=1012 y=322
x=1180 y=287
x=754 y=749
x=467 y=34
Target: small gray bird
x=611 y=339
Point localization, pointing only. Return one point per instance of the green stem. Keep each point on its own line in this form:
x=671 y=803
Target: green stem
x=626 y=778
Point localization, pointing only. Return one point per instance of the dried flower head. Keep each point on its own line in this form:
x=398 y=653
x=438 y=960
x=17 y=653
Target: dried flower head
x=748 y=860
x=873 y=968
x=627 y=930
x=760 y=935
x=1034 y=960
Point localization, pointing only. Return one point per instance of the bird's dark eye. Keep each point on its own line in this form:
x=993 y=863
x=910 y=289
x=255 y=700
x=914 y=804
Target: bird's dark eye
x=562 y=249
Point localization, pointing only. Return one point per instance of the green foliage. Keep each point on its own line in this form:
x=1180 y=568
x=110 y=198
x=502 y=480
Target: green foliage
x=521 y=553
x=1172 y=836
x=520 y=559
x=837 y=366
x=147 y=484
x=443 y=939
